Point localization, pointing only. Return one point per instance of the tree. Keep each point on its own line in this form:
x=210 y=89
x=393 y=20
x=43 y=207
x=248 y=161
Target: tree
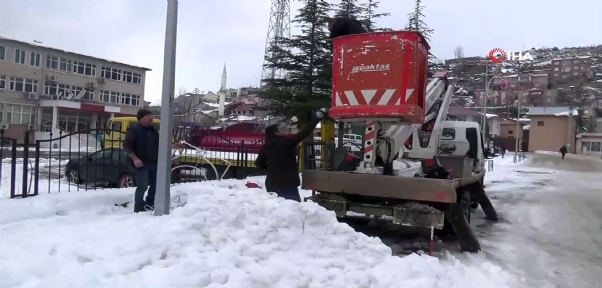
x=416 y=23
x=348 y=8
x=369 y=16
x=306 y=61
x=459 y=52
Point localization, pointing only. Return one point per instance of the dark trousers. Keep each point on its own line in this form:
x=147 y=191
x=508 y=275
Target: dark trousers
x=563 y=155
x=145 y=176
x=290 y=194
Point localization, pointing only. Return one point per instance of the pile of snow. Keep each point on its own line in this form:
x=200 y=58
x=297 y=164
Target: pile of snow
x=227 y=235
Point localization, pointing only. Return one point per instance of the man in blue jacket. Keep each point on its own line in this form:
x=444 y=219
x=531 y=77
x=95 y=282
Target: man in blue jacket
x=142 y=145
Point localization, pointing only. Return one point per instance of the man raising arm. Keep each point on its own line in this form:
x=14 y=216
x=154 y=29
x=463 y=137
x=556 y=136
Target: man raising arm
x=278 y=156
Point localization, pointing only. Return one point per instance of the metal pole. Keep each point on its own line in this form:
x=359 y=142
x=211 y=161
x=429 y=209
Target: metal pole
x=517 y=126
x=162 y=202
x=484 y=119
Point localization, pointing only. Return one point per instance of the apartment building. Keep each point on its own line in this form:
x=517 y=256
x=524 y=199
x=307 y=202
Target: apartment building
x=565 y=69
x=45 y=88
x=244 y=91
x=530 y=88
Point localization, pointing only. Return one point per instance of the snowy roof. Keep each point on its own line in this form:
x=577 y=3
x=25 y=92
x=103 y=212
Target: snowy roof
x=526 y=127
x=551 y=111
x=69 y=52
x=489 y=116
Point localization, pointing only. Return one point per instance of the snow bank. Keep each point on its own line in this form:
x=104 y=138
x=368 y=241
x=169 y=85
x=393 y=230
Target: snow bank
x=226 y=236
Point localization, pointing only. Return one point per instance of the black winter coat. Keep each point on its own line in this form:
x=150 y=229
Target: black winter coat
x=279 y=157
x=346 y=26
x=143 y=142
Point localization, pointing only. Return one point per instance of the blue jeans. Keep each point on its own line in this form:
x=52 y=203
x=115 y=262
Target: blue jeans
x=290 y=194
x=145 y=176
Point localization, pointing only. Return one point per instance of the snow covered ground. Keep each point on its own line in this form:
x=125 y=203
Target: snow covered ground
x=231 y=236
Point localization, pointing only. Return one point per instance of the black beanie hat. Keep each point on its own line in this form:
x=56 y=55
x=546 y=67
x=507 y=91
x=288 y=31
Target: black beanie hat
x=141 y=113
x=271 y=130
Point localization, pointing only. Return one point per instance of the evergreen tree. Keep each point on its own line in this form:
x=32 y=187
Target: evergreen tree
x=305 y=60
x=348 y=8
x=416 y=23
x=370 y=15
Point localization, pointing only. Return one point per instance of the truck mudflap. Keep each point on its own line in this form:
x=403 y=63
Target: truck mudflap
x=406 y=188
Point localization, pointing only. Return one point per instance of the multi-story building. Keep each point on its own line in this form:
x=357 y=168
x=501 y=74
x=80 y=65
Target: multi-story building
x=531 y=89
x=244 y=91
x=565 y=69
x=47 y=88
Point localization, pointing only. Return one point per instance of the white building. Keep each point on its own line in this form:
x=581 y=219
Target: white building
x=43 y=88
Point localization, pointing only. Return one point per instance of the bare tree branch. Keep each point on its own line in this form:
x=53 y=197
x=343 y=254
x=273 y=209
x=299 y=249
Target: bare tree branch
x=459 y=52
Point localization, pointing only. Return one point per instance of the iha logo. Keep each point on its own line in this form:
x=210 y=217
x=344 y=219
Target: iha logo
x=498 y=55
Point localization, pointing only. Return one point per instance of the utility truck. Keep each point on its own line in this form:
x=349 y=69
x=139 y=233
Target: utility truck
x=416 y=167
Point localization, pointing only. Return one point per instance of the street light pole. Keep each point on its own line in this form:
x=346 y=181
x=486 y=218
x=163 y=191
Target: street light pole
x=484 y=118
x=517 y=127
x=162 y=202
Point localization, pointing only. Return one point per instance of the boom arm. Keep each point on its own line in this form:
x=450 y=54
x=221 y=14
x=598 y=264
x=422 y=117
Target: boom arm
x=425 y=143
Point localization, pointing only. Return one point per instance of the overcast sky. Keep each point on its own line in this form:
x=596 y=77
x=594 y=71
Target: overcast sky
x=211 y=33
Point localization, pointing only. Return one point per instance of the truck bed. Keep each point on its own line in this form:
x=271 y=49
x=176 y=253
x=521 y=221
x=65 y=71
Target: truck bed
x=406 y=188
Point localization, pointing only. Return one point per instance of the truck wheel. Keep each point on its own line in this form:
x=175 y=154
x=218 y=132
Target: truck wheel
x=466 y=204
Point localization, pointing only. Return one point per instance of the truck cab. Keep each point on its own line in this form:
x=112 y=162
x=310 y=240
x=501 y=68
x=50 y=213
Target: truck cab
x=460 y=138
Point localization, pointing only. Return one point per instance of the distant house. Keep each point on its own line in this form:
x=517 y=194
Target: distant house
x=551 y=128
x=509 y=132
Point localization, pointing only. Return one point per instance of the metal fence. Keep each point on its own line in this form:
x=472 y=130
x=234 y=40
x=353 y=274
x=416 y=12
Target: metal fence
x=93 y=159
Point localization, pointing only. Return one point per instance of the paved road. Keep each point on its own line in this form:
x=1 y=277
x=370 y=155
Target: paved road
x=551 y=228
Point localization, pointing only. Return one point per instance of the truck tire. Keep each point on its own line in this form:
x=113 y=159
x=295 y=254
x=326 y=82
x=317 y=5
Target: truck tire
x=466 y=204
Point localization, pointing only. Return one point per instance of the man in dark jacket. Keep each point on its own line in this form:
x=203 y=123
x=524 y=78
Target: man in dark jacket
x=342 y=26
x=563 y=151
x=142 y=145
x=278 y=156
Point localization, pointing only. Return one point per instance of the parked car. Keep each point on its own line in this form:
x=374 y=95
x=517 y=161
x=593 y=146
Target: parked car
x=109 y=167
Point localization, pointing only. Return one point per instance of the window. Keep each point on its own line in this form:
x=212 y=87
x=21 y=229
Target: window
x=585 y=146
x=448 y=134
x=137 y=78
x=556 y=74
x=23 y=85
x=129 y=99
x=2 y=53
x=83 y=68
x=510 y=132
x=19 y=114
x=111 y=73
x=65 y=65
x=35 y=59
x=595 y=147
x=566 y=69
x=556 y=69
x=539 y=123
x=52 y=62
x=110 y=97
x=59 y=90
x=2 y=82
x=120 y=75
x=104 y=96
x=57 y=63
x=575 y=73
x=576 y=61
x=19 y=56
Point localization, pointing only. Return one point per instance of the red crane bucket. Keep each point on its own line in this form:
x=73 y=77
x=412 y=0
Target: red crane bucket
x=380 y=75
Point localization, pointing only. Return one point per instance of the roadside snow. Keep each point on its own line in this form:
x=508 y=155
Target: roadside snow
x=226 y=236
